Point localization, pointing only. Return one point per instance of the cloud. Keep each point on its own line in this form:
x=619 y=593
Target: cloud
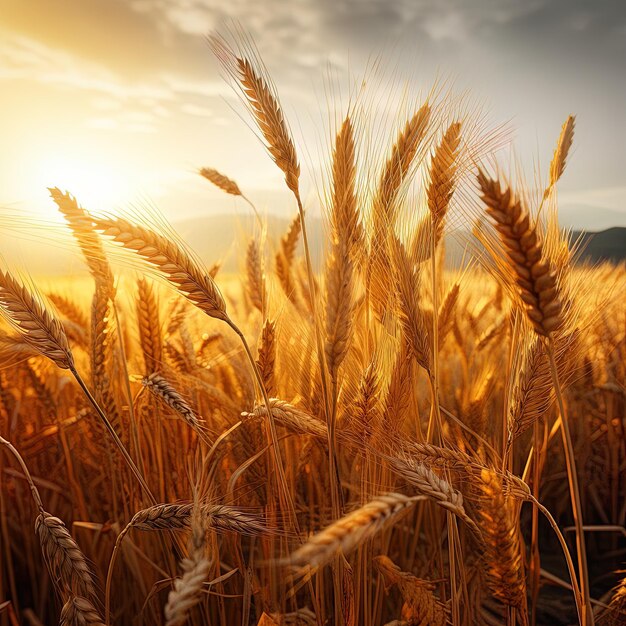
x=194 y=109
x=144 y=67
x=22 y=58
x=613 y=198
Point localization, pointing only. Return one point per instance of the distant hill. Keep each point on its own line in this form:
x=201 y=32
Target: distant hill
x=224 y=237
x=584 y=217
x=606 y=245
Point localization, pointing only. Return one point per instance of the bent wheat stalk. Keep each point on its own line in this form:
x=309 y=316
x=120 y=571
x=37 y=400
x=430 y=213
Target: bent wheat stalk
x=262 y=100
x=43 y=331
x=114 y=436
x=229 y=186
x=535 y=276
x=352 y=530
x=184 y=273
x=171 y=517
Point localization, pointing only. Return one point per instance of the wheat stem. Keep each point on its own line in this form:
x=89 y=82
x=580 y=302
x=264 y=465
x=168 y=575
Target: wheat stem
x=572 y=477
x=282 y=480
x=29 y=478
x=114 y=435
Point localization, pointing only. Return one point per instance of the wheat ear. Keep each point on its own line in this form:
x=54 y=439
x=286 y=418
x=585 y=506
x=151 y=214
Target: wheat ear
x=438 y=489
x=420 y=604
x=227 y=185
x=160 y=388
x=532 y=270
x=292 y=418
x=222 y=182
x=216 y=517
x=398 y=165
x=37 y=325
x=69 y=309
x=285 y=257
x=503 y=556
x=412 y=317
x=267 y=355
x=394 y=175
x=148 y=321
x=187 y=590
x=79 y=611
x=561 y=152
x=269 y=117
x=339 y=271
x=350 y=531
x=65 y=560
x=81 y=224
x=255 y=280
x=616 y=613
x=443 y=178
x=169 y=259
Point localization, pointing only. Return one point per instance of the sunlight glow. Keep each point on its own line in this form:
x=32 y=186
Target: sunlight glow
x=98 y=186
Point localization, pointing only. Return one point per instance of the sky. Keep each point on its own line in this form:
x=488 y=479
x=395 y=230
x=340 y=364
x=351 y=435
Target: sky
x=121 y=101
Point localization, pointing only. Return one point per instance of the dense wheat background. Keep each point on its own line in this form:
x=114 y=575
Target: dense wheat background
x=388 y=440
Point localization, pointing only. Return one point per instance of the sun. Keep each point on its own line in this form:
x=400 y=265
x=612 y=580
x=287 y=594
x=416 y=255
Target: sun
x=98 y=185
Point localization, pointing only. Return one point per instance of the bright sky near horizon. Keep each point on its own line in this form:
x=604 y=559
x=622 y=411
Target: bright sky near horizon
x=120 y=100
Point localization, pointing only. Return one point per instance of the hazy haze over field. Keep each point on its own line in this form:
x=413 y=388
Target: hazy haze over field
x=120 y=100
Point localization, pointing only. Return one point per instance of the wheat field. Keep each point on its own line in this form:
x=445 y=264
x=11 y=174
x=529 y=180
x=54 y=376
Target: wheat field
x=385 y=439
